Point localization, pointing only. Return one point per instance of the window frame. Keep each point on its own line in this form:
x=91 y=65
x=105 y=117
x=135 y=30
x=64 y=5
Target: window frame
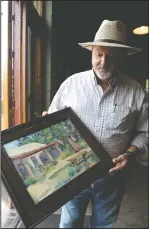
x=22 y=103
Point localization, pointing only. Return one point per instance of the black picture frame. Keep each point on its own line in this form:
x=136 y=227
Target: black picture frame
x=33 y=213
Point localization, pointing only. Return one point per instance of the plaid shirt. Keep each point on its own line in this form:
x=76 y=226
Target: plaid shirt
x=118 y=117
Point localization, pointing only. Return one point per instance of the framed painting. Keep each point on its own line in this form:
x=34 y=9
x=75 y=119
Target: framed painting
x=48 y=161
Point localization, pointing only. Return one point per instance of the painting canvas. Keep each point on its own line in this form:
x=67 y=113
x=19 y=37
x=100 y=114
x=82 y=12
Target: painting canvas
x=48 y=161
x=50 y=158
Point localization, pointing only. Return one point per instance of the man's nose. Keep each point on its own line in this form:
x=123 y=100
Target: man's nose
x=103 y=61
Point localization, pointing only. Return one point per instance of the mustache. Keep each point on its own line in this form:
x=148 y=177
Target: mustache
x=105 y=68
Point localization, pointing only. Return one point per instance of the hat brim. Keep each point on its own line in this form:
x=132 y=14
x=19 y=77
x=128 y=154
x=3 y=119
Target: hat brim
x=130 y=50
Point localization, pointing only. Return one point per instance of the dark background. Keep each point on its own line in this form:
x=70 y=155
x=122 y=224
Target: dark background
x=78 y=21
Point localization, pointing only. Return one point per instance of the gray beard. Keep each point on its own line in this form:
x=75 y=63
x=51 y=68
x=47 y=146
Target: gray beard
x=104 y=75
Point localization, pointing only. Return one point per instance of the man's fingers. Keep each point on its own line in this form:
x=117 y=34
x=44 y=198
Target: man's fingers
x=120 y=162
x=118 y=159
x=44 y=113
x=118 y=167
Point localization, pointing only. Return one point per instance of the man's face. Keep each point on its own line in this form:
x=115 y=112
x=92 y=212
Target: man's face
x=106 y=61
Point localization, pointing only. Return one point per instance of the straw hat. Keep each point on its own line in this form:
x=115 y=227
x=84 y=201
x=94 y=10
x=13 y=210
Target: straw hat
x=111 y=34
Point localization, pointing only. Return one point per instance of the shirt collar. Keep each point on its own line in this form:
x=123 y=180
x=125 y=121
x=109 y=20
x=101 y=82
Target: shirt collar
x=112 y=82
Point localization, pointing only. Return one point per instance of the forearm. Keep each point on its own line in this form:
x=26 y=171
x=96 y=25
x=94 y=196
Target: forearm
x=139 y=144
x=132 y=151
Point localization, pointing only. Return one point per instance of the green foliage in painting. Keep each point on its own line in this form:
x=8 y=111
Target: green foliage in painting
x=82 y=144
x=72 y=171
x=66 y=154
x=30 y=180
x=58 y=131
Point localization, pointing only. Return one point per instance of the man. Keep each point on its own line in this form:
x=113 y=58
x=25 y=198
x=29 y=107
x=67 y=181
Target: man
x=114 y=107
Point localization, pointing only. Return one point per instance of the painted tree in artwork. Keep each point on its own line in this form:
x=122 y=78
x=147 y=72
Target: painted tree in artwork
x=43 y=137
x=72 y=131
x=59 y=131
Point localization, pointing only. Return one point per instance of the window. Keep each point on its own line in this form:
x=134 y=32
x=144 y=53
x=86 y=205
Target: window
x=21 y=42
x=22 y=30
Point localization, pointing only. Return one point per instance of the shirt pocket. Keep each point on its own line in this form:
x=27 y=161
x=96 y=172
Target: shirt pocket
x=121 y=118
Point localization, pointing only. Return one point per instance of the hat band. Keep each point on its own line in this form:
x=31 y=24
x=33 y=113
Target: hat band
x=111 y=41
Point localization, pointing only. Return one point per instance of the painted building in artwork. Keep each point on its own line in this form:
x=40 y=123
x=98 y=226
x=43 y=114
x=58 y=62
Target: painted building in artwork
x=30 y=158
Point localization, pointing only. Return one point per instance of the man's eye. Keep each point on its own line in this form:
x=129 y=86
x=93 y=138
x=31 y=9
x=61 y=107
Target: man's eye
x=99 y=55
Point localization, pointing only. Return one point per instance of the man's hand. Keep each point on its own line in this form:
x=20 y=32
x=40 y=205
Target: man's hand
x=44 y=113
x=121 y=162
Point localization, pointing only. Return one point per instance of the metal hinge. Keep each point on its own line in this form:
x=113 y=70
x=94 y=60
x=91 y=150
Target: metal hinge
x=11 y=53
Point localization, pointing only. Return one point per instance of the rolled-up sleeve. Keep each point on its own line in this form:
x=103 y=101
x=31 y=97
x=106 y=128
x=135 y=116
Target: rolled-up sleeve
x=140 y=140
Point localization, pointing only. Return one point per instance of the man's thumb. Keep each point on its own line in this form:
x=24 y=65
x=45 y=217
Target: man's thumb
x=115 y=160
